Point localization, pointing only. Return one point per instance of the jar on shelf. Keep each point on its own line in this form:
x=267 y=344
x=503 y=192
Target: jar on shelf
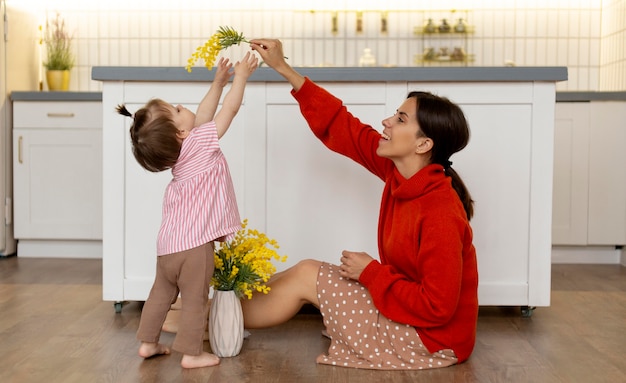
x=460 y=26
x=443 y=54
x=444 y=27
x=429 y=54
x=367 y=58
x=430 y=27
x=458 y=54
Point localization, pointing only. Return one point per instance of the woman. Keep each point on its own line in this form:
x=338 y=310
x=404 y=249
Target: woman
x=417 y=307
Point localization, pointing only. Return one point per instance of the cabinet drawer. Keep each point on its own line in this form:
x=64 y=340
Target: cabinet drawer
x=57 y=114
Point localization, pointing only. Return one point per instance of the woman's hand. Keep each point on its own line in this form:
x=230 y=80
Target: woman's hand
x=353 y=264
x=270 y=50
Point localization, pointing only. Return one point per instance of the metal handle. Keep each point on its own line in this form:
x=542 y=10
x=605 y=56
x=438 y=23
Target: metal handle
x=61 y=115
x=19 y=150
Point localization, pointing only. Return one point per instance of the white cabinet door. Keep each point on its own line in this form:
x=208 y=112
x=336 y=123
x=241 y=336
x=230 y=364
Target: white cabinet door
x=571 y=174
x=58 y=183
x=320 y=203
x=607 y=177
x=507 y=167
x=589 y=200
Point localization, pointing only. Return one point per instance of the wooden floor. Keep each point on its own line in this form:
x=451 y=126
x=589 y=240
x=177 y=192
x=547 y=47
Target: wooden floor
x=54 y=327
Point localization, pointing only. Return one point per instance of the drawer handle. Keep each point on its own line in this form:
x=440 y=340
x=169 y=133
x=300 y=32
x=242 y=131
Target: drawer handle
x=19 y=150
x=60 y=114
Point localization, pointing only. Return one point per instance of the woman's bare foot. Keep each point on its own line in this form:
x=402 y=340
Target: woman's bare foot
x=203 y=360
x=146 y=350
x=177 y=305
x=171 y=321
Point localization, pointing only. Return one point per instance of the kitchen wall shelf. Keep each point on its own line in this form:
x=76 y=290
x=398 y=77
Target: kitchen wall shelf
x=443 y=39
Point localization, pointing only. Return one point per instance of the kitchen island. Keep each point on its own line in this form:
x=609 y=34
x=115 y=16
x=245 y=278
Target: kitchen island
x=316 y=203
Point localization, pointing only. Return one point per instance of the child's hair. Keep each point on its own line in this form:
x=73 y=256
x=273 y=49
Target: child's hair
x=153 y=135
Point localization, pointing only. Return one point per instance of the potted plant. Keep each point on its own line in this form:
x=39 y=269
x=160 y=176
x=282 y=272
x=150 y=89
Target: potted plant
x=59 y=56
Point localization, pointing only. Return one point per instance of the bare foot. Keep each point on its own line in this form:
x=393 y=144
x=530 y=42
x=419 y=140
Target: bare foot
x=146 y=350
x=177 y=305
x=203 y=360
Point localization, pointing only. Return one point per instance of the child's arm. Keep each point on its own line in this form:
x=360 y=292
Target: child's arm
x=233 y=98
x=208 y=105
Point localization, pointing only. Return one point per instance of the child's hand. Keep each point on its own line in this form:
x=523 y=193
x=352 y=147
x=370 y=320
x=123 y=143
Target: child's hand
x=247 y=65
x=223 y=73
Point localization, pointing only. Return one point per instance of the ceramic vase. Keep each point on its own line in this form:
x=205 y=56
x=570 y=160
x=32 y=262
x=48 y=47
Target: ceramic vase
x=226 y=324
x=58 y=79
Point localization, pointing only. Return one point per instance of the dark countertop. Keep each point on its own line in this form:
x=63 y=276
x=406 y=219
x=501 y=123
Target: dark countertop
x=590 y=96
x=55 y=96
x=343 y=74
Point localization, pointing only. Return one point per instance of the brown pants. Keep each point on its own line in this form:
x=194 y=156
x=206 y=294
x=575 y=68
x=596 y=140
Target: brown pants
x=188 y=272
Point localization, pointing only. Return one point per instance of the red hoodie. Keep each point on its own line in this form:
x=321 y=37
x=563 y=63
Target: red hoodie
x=427 y=275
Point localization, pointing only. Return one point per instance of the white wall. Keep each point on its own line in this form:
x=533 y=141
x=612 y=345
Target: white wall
x=587 y=36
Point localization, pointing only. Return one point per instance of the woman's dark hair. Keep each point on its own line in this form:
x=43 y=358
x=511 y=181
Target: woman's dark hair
x=153 y=135
x=444 y=122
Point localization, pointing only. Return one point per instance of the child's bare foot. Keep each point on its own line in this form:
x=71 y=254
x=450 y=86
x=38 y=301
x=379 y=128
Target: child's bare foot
x=146 y=350
x=203 y=360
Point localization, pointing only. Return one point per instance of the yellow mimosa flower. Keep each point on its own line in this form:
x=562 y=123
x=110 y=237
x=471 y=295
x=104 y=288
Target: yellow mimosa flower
x=244 y=264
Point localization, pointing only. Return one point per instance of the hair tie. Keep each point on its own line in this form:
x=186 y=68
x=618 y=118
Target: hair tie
x=447 y=164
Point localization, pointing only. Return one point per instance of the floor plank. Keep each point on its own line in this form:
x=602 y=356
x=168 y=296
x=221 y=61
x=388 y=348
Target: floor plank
x=54 y=327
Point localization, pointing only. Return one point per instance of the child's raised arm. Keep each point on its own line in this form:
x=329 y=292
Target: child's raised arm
x=208 y=105
x=234 y=97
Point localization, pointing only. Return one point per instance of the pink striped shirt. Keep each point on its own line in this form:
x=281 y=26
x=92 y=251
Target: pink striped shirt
x=199 y=205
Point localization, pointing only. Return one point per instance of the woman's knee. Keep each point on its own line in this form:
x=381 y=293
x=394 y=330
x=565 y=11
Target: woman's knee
x=307 y=268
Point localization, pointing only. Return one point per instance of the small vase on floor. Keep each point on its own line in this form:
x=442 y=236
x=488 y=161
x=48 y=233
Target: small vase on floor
x=226 y=331
x=58 y=79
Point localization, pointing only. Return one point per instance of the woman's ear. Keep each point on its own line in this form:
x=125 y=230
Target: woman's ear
x=424 y=146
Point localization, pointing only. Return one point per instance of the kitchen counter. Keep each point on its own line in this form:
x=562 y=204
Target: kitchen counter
x=56 y=96
x=288 y=186
x=590 y=96
x=343 y=74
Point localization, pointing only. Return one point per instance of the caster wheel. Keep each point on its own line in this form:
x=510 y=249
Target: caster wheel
x=527 y=311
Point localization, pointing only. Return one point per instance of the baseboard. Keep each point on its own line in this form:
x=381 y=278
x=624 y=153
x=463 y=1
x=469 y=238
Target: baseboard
x=588 y=255
x=59 y=249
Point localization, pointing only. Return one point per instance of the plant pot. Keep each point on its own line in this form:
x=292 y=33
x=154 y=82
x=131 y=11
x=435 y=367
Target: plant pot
x=226 y=324
x=58 y=79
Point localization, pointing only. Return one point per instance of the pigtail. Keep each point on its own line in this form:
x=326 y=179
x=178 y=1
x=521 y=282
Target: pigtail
x=121 y=109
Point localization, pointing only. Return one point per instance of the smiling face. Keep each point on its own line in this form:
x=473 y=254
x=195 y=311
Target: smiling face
x=402 y=140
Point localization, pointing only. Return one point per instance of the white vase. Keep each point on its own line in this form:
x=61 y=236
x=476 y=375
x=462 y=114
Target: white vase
x=225 y=324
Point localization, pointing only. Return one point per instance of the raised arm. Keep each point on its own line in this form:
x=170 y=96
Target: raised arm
x=271 y=51
x=232 y=101
x=208 y=105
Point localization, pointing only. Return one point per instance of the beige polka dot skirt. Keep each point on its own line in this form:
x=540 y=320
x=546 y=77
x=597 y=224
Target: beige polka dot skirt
x=361 y=337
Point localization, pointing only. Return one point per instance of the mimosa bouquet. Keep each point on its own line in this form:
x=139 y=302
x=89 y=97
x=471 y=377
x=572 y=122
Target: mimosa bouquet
x=245 y=264
x=222 y=39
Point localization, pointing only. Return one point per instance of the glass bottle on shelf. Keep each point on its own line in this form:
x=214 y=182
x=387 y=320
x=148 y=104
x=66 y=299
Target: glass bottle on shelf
x=460 y=27
x=430 y=27
x=367 y=58
x=444 y=27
